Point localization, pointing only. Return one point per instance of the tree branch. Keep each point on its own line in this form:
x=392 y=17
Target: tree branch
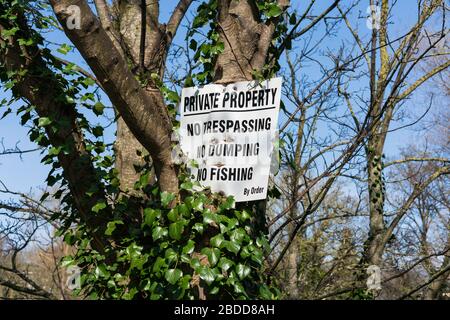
x=144 y=113
x=176 y=18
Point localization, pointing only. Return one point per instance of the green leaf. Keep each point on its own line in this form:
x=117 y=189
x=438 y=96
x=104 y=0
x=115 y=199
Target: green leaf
x=64 y=48
x=172 y=96
x=159 y=263
x=197 y=204
x=273 y=10
x=217 y=240
x=225 y=264
x=67 y=262
x=257 y=256
x=214 y=290
x=242 y=271
x=210 y=218
x=171 y=255
x=187 y=185
x=198 y=227
x=237 y=235
x=228 y=204
x=193 y=45
x=99 y=206
x=184 y=210
x=176 y=229
x=265 y=293
x=238 y=288
x=206 y=274
x=97 y=131
x=98 y=108
x=88 y=82
x=212 y=254
x=158 y=233
x=130 y=294
x=9 y=32
x=293 y=19
x=262 y=242
x=173 y=215
x=185 y=282
x=150 y=215
x=100 y=271
x=44 y=121
x=173 y=275
x=166 y=198
x=189 y=247
x=111 y=226
x=231 y=246
x=243 y=215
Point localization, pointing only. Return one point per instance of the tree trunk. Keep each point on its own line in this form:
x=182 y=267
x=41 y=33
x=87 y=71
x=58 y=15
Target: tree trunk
x=373 y=251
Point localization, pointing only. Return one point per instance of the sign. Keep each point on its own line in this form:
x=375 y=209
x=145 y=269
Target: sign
x=230 y=132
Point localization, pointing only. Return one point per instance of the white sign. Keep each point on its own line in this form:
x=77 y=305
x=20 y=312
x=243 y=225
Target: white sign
x=230 y=133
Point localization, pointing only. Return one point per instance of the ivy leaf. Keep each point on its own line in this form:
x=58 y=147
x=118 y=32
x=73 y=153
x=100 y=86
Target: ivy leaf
x=187 y=185
x=206 y=274
x=173 y=215
x=173 y=275
x=265 y=293
x=293 y=19
x=111 y=226
x=225 y=264
x=130 y=294
x=198 y=227
x=185 y=282
x=166 y=198
x=273 y=10
x=176 y=229
x=88 y=82
x=210 y=218
x=216 y=241
x=184 y=210
x=193 y=45
x=98 y=108
x=238 y=288
x=228 y=204
x=170 y=255
x=189 y=247
x=238 y=235
x=172 y=96
x=9 y=32
x=231 y=246
x=158 y=233
x=197 y=204
x=212 y=254
x=67 y=262
x=242 y=271
x=160 y=262
x=99 y=206
x=64 y=49
x=44 y=121
x=100 y=271
x=97 y=131
x=149 y=216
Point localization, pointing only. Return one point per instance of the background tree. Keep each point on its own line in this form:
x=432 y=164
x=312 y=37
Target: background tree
x=102 y=108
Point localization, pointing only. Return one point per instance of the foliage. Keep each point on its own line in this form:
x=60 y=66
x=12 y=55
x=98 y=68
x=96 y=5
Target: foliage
x=170 y=249
x=166 y=256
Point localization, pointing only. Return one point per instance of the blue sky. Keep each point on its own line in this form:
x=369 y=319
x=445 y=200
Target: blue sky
x=26 y=172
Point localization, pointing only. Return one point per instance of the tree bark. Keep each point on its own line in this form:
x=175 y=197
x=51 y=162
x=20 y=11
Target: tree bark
x=145 y=114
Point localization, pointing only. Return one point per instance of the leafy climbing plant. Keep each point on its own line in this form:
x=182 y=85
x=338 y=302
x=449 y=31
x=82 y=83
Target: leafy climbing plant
x=159 y=245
